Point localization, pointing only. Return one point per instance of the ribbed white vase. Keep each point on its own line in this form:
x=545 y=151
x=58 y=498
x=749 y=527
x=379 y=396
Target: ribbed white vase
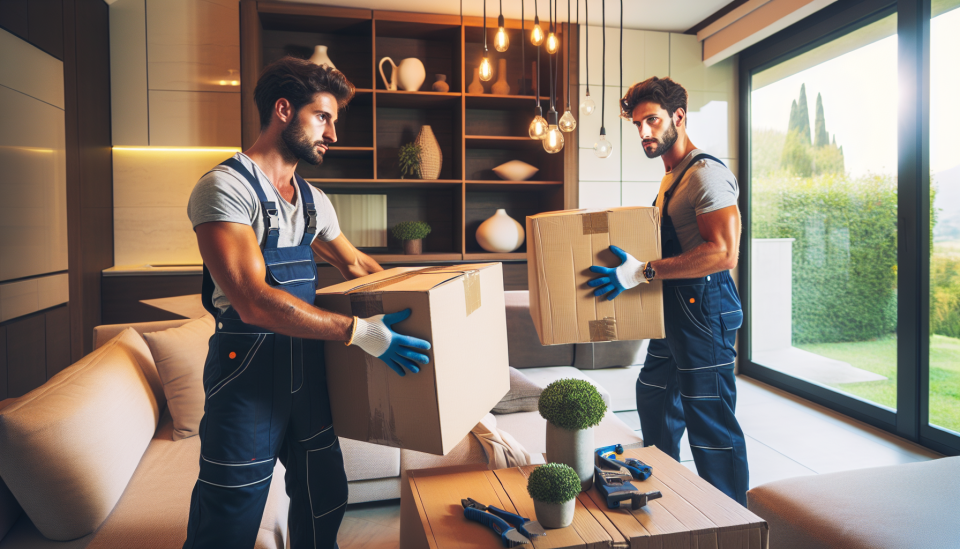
x=500 y=233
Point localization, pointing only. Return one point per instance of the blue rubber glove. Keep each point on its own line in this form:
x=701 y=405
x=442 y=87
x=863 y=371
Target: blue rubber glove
x=616 y=280
x=376 y=337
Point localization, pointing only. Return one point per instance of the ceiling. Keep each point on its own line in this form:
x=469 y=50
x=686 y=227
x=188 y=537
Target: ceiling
x=660 y=15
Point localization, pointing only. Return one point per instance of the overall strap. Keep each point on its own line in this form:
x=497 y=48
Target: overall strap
x=272 y=223
x=309 y=210
x=673 y=187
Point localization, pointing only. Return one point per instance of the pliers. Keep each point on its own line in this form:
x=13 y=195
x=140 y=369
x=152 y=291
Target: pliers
x=513 y=529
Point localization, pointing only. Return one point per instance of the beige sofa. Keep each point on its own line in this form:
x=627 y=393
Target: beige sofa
x=138 y=481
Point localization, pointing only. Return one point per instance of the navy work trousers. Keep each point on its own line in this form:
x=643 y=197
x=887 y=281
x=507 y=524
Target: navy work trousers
x=266 y=399
x=687 y=381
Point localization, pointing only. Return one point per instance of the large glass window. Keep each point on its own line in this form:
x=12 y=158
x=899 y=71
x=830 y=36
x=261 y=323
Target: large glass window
x=944 y=380
x=823 y=168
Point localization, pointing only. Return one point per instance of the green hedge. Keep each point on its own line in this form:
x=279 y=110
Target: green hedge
x=844 y=252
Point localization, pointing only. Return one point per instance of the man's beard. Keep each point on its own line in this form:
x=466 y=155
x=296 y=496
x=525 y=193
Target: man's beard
x=299 y=146
x=664 y=144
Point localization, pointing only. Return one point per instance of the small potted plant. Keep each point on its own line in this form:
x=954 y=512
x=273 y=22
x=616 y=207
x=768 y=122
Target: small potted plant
x=554 y=488
x=410 y=161
x=572 y=408
x=411 y=233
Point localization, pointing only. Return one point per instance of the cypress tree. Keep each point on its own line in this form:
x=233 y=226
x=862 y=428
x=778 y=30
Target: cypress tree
x=803 y=115
x=821 y=138
x=793 y=125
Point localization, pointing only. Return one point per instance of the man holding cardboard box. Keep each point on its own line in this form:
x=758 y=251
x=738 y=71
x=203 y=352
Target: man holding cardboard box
x=258 y=225
x=687 y=379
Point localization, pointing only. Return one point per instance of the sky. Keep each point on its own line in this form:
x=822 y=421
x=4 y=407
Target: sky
x=859 y=92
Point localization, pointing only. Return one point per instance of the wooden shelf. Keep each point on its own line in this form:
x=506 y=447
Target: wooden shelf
x=349 y=152
x=502 y=142
x=504 y=102
x=416 y=100
x=491 y=256
x=385 y=183
x=504 y=185
x=385 y=259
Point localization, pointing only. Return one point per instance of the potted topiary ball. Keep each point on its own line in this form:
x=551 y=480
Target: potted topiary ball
x=554 y=488
x=412 y=234
x=572 y=408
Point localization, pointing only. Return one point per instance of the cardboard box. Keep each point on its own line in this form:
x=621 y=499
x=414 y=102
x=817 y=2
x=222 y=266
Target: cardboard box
x=460 y=310
x=561 y=247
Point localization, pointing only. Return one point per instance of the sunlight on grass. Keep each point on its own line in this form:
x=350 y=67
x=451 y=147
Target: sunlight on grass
x=880 y=357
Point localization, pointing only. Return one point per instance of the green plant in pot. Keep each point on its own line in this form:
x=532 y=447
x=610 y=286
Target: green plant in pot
x=572 y=408
x=410 y=161
x=411 y=233
x=554 y=488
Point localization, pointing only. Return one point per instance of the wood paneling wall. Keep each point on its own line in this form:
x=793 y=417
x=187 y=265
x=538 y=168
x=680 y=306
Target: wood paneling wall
x=33 y=349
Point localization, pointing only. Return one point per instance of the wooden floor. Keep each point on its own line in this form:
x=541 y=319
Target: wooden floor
x=786 y=437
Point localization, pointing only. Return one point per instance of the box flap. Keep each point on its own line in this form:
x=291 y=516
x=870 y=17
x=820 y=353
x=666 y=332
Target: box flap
x=348 y=285
x=404 y=279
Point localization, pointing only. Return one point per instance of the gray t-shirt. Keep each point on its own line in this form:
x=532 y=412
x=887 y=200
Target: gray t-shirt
x=222 y=194
x=707 y=187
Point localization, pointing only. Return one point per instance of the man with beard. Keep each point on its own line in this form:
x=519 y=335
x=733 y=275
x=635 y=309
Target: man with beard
x=258 y=225
x=687 y=378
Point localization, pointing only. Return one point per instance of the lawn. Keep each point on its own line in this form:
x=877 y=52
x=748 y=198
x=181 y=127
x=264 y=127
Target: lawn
x=880 y=356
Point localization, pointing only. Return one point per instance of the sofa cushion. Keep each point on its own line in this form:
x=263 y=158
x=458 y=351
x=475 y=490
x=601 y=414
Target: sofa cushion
x=546 y=376
x=608 y=354
x=907 y=505
x=180 y=354
x=366 y=461
x=522 y=396
x=69 y=447
x=523 y=344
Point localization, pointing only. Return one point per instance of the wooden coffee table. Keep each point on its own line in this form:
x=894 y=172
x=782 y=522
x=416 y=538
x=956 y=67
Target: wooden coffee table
x=691 y=514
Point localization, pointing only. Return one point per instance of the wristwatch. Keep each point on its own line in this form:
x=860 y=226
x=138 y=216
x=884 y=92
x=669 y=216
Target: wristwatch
x=648 y=271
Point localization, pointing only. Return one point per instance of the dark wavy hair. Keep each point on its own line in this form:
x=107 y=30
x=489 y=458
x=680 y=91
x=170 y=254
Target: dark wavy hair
x=298 y=81
x=662 y=91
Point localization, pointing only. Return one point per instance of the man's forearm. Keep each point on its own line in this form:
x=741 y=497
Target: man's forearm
x=280 y=312
x=368 y=263
x=705 y=259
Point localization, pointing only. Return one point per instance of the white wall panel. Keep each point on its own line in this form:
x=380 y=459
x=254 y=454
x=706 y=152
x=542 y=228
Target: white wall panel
x=599 y=194
x=30 y=70
x=194 y=119
x=128 y=73
x=154 y=235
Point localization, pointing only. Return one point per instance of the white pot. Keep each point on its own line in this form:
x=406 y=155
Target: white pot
x=574 y=448
x=408 y=75
x=500 y=233
x=555 y=515
x=319 y=57
x=515 y=170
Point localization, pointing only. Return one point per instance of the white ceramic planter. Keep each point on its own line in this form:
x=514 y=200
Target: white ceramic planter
x=500 y=233
x=320 y=57
x=515 y=170
x=555 y=515
x=574 y=448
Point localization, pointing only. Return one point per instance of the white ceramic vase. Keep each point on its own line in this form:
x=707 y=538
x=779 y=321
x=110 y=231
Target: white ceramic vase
x=319 y=57
x=408 y=75
x=574 y=448
x=555 y=515
x=500 y=233
x=515 y=170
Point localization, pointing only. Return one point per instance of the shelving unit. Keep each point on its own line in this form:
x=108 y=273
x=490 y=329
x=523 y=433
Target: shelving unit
x=476 y=132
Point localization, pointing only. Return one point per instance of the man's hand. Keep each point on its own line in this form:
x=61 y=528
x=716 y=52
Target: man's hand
x=628 y=275
x=376 y=337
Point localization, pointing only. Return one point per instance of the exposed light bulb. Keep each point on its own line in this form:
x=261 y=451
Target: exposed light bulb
x=553 y=142
x=486 y=70
x=588 y=106
x=603 y=148
x=501 y=42
x=536 y=37
x=553 y=44
x=567 y=122
x=538 y=127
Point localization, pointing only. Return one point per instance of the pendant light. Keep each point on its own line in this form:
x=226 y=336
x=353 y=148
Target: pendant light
x=553 y=45
x=536 y=37
x=553 y=142
x=567 y=122
x=538 y=126
x=603 y=148
x=501 y=42
x=587 y=106
x=486 y=71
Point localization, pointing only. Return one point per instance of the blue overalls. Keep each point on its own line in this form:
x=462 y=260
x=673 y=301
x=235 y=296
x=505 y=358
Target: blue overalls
x=266 y=398
x=687 y=379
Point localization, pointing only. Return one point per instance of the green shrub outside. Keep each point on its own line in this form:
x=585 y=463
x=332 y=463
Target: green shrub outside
x=410 y=230
x=572 y=404
x=553 y=483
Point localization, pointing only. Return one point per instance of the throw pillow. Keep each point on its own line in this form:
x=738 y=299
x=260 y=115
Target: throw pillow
x=180 y=354
x=522 y=397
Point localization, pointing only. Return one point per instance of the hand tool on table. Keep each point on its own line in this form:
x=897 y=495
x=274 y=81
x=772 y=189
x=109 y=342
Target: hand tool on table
x=607 y=458
x=509 y=535
x=615 y=486
x=527 y=527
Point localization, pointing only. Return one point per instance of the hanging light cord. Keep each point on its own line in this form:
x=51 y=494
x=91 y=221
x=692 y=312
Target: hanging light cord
x=484 y=26
x=523 y=49
x=586 y=21
x=621 y=48
x=568 y=54
x=603 y=68
x=550 y=64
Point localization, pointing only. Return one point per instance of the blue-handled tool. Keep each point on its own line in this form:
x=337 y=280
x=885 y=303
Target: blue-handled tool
x=527 y=527
x=607 y=459
x=615 y=486
x=508 y=534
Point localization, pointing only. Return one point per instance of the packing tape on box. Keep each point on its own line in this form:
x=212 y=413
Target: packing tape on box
x=603 y=330
x=471 y=291
x=595 y=223
x=367 y=300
